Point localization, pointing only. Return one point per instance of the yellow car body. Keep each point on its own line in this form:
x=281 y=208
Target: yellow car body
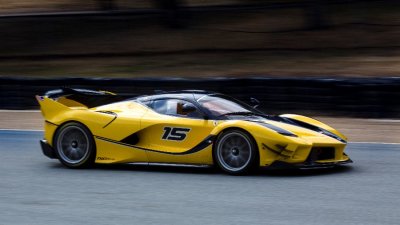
x=130 y=131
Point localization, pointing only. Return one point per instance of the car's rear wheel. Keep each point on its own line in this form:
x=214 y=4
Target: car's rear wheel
x=74 y=145
x=235 y=152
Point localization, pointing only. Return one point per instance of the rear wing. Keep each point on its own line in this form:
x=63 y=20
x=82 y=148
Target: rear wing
x=82 y=97
x=63 y=100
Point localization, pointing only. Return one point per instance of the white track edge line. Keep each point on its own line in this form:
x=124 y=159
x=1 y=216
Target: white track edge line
x=372 y=142
x=384 y=120
x=19 y=111
x=21 y=130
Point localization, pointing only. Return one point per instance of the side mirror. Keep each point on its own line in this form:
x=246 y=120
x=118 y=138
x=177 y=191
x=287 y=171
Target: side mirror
x=188 y=108
x=254 y=102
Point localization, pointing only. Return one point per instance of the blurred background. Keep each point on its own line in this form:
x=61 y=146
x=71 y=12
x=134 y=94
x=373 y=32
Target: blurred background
x=320 y=57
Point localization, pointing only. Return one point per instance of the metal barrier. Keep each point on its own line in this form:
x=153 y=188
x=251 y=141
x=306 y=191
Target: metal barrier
x=350 y=97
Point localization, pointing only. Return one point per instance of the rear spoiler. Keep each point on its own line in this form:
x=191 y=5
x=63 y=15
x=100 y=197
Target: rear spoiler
x=89 y=98
x=70 y=91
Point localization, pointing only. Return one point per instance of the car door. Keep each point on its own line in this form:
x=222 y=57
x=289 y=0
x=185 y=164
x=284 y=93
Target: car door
x=176 y=131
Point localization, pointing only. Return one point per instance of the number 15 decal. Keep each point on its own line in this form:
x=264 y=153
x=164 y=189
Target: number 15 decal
x=175 y=133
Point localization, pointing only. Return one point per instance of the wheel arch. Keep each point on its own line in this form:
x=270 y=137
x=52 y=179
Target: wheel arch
x=73 y=121
x=242 y=130
x=70 y=121
x=90 y=160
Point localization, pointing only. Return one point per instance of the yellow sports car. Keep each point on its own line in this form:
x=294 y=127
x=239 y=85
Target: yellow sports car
x=191 y=127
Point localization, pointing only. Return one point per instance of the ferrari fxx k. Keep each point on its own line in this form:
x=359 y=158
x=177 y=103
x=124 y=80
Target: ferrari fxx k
x=83 y=127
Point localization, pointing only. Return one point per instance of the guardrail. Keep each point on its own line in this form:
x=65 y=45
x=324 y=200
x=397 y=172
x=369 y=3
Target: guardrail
x=350 y=97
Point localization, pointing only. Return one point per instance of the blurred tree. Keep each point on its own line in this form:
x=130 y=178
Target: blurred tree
x=107 y=4
x=173 y=14
x=316 y=11
x=316 y=14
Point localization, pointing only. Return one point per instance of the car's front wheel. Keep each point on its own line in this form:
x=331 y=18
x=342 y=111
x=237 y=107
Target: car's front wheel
x=235 y=152
x=74 y=145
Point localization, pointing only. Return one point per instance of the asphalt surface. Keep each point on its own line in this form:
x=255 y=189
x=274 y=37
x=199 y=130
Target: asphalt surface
x=38 y=190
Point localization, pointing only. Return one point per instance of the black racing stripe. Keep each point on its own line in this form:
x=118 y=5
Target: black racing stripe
x=202 y=145
x=271 y=149
x=51 y=123
x=275 y=128
x=315 y=128
x=132 y=139
x=118 y=142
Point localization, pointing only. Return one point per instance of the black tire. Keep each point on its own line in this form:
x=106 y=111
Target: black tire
x=235 y=152
x=74 y=145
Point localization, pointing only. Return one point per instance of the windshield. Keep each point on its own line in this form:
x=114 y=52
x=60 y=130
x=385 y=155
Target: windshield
x=219 y=105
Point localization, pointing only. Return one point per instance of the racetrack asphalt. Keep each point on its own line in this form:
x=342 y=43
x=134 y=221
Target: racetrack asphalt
x=38 y=190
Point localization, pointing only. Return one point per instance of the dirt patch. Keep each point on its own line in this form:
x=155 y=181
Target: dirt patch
x=357 y=130
x=366 y=130
x=269 y=63
x=21 y=120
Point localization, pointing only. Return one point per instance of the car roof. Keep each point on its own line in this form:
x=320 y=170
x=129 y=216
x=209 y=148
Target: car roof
x=191 y=95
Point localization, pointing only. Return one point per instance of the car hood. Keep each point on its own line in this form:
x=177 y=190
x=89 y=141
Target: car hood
x=294 y=125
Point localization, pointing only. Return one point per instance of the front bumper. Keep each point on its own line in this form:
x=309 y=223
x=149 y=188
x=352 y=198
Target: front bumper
x=307 y=165
x=47 y=150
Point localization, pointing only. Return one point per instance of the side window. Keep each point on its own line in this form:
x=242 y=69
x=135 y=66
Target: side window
x=147 y=103
x=176 y=107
